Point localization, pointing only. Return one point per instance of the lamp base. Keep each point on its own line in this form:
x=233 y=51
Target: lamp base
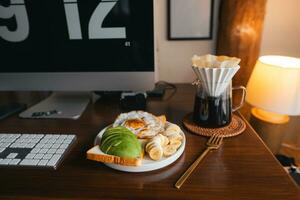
x=270 y=117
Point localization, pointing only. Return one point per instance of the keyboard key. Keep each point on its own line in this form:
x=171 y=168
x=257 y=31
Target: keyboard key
x=63 y=136
x=5 y=161
x=51 y=151
x=40 y=145
x=68 y=141
x=39 y=156
x=64 y=146
x=51 y=141
x=30 y=156
x=47 y=146
x=29 y=162
x=53 y=160
x=43 y=141
x=12 y=155
x=43 y=162
x=71 y=136
x=55 y=145
x=59 y=141
x=43 y=150
x=47 y=156
x=30 y=145
x=14 y=161
x=35 y=150
x=60 y=151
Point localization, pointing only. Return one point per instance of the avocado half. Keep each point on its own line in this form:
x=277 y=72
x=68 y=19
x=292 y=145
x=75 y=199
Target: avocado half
x=119 y=141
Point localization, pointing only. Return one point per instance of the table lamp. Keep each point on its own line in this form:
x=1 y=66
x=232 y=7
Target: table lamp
x=274 y=88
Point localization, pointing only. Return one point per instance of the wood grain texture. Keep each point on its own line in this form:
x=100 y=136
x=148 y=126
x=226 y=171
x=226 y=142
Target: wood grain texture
x=243 y=168
x=239 y=33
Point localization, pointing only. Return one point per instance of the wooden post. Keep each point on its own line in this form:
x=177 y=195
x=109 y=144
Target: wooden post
x=239 y=33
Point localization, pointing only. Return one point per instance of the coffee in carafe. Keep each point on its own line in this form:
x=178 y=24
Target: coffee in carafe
x=213 y=99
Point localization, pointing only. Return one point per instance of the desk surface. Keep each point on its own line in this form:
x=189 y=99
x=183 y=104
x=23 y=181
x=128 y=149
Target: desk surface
x=243 y=168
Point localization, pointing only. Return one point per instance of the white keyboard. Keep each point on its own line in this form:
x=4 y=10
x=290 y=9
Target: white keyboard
x=34 y=150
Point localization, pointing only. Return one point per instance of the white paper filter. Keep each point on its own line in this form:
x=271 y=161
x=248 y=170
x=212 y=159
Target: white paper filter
x=213 y=74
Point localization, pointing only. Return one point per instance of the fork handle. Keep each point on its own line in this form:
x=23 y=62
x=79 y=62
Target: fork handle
x=190 y=170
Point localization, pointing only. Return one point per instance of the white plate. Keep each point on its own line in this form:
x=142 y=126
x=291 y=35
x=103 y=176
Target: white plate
x=147 y=163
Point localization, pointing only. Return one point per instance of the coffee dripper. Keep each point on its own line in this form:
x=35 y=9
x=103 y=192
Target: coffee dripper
x=213 y=100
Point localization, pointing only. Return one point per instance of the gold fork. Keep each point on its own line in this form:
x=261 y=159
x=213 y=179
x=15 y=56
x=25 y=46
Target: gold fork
x=213 y=143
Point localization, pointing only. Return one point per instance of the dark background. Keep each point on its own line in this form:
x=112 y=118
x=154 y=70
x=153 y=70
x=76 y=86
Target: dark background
x=49 y=49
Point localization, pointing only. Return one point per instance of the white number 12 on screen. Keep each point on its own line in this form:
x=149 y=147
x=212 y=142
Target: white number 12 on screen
x=95 y=30
x=17 y=9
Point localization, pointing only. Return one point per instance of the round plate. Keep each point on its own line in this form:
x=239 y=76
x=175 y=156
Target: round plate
x=147 y=163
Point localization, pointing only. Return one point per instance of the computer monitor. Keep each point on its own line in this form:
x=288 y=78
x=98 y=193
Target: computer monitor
x=77 y=45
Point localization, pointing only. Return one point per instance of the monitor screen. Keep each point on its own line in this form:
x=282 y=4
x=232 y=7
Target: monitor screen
x=76 y=35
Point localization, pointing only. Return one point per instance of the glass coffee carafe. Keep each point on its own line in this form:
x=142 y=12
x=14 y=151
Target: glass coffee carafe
x=214 y=111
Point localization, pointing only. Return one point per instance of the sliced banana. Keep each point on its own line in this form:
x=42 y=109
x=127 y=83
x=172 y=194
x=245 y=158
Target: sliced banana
x=165 y=143
x=150 y=145
x=173 y=127
x=176 y=143
x=156 y=153
x=169 y=150
x=164 y=140
x=175 y=137
x=170 y=132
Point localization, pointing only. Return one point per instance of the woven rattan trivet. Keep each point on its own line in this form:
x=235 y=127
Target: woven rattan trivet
x=236 y=127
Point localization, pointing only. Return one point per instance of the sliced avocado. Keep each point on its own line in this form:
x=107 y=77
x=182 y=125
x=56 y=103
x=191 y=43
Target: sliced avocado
x=117 y=130
x=120 y=141
x=109 y=142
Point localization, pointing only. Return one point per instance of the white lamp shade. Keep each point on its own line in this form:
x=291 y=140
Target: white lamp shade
x=274 y=85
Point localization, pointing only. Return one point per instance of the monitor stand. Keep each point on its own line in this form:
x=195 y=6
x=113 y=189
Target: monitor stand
x=68 y=105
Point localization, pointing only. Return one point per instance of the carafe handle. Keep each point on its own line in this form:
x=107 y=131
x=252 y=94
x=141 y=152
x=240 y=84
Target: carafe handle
x=243 y=97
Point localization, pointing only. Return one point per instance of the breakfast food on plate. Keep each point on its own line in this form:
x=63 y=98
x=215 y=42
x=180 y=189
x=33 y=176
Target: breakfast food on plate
x=143 y=124
x=166 y=143
x=121 y=142
x=118 y=145
x=172 y=131
x=155 y=147
x=133 y=133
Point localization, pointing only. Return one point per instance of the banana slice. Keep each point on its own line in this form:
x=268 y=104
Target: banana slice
x=164 y=140
x=175 y=137
x=170 y=132
x=150 y=145
x=176 y=143
x=165 y=144
x=156 y=153
x=173 y=127
x=169 y=150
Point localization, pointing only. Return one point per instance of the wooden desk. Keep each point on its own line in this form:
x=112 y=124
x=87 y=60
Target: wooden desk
x=243 y=168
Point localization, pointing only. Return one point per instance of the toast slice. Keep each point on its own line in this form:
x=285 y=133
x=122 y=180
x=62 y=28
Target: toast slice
x=96 y=154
